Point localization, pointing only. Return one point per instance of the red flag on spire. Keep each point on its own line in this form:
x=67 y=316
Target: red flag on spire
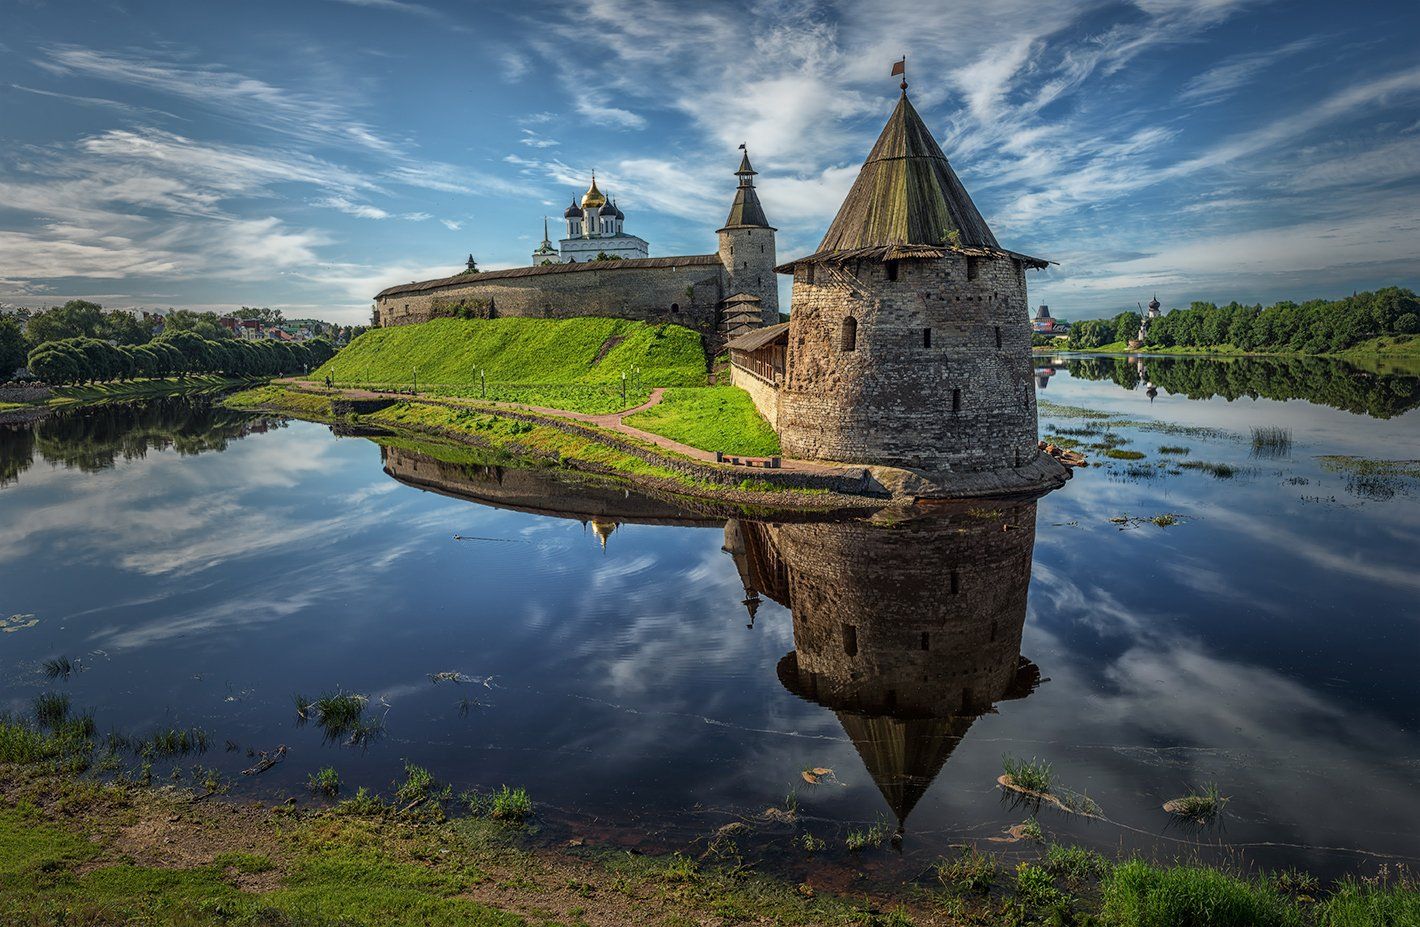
x=899 y=67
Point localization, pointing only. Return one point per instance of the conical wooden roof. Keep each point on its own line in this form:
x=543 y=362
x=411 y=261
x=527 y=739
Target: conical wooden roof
x=907 y=194
x=907 y=203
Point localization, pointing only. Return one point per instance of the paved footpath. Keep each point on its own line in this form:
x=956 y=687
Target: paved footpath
x=612 y=421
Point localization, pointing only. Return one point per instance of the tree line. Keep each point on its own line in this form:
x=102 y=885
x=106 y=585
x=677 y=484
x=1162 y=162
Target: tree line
x=89 y=360
x=1318 y=326
x=79 y=342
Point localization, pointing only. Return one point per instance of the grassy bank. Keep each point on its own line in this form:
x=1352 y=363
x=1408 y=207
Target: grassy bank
x=712 y=418
x=454 y=353
x=75 y=849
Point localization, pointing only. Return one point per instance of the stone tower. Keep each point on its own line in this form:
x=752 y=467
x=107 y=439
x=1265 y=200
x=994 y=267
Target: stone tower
x=747 y=247
x=908 y=634
x=906 y=341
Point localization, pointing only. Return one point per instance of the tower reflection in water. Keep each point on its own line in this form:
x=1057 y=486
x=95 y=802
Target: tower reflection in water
x=907 y=633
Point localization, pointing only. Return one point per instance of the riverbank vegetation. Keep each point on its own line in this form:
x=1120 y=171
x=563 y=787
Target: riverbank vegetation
x=464 y=354
x=1367 y=322
x=712 y=418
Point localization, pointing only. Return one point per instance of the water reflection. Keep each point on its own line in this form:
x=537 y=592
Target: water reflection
x=907 y=633
x=91 y=440
x=1333 y=383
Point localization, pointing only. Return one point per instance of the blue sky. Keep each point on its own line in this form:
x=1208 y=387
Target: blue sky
x=306 y=153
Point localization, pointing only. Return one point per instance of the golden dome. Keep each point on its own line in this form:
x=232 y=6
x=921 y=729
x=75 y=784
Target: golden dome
x=593 y=196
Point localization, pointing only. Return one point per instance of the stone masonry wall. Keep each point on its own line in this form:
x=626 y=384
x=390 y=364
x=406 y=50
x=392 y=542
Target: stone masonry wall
x=962 y=403
x=921 y=619
x=764 y=393
x=688 y=295
x=749 y=255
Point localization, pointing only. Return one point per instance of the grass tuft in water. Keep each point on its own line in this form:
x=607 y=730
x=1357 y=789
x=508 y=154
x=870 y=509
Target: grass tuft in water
x=1177 y=450
x=859 y=840
x=1271 y=441
x=1200 y=806
x=1219 y=471
x=172 y=742
x=419 y=787
x=510 y=805
x=325 y=781
x=60 y=667
x=1032 y=774
x=52 y=709
x=970 y=872
x=1122 y=454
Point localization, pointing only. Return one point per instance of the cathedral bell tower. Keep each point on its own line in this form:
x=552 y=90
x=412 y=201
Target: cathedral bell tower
x=747 y=248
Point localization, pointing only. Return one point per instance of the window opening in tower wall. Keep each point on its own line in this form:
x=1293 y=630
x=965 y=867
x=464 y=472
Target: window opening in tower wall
x=850 y=334
x=956 y=400
x=956 y=582
x=850 y=640
x=891 y=267
x=972 y=268
x=998 y=336
x=926 y=337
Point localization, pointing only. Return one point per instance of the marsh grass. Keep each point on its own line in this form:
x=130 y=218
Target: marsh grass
x=340 y=715
x=60 y=667
x=172 y=742
x=1033 y=774
x=1200 y=806
x=1271 y=442
x=507 y=804
x=1165 y=520
x=1122 y=454
x=1030 y=830
x=859 y=840
x=1176 y=450
x=419 y=786
x=52 y=709
x=1219 y=471
x=1075 y=865
x=325 y=781
x=969 y=872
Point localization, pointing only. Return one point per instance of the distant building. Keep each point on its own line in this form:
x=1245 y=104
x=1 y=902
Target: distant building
x=594 y=228
x=1046 y=324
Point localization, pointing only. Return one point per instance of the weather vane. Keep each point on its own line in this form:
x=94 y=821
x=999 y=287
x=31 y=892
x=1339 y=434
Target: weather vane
x=900 y=67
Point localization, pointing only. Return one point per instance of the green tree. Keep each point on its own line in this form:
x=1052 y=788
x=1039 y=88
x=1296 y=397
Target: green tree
x=124 y=328
x=12 y=347
x=77 y=318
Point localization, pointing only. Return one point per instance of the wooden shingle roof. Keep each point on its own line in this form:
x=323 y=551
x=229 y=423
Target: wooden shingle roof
x=758 y=338
x=907 y=203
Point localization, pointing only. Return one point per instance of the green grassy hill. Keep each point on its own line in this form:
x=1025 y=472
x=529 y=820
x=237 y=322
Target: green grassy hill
x=521 y=351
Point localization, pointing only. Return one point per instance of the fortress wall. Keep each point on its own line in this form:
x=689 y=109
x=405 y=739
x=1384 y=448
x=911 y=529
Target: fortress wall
x=951 y=640
x=686 y=295
x=965 y=403
x=764 y=394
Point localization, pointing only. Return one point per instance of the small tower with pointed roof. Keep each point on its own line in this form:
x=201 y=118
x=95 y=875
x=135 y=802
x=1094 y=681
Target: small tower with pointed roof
x=905 y=345
x=747 y=251
x=545 y=253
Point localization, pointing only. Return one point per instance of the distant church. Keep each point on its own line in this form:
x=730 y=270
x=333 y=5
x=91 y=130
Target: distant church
x=600 y=270
x=594 y=231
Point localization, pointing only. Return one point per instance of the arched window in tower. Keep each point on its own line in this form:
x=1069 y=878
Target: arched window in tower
x=891 y=267
x=850 y=640
x=849 y=340
x=973 y=267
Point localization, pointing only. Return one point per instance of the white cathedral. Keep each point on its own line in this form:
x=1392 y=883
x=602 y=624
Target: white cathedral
x=593 y=229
